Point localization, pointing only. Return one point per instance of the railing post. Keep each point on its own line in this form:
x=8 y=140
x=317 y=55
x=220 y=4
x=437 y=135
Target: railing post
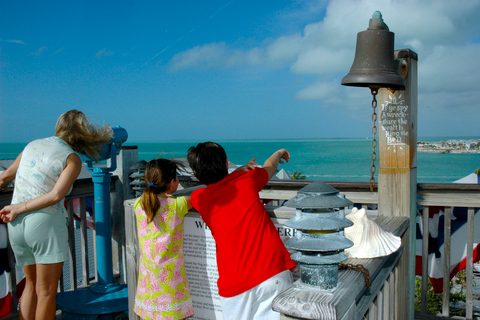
x=447 y=242
x=469 y=272
x=425 y=243
x=71 y=244
x=397 y=175
x=13 y=277
x=133 y=255
x=125 y=159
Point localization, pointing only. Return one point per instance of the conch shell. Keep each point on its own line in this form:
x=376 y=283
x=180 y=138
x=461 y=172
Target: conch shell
x=369 y=240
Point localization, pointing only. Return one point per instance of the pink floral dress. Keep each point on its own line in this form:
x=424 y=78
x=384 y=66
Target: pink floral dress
x=162 y=290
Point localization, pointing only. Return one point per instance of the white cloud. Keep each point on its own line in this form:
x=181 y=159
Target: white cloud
x=441 y=32
x=319 y=90
x=102 y=53
x=284 y=49
x=12 y=41
x=450 y=69
x=322 y=60
x=219 y=55
x=39 y=51
x=208 y=56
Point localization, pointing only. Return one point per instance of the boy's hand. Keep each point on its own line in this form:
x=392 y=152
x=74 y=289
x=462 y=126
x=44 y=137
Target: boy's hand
x=284 y=155
x=271 y=164
x=249 y=166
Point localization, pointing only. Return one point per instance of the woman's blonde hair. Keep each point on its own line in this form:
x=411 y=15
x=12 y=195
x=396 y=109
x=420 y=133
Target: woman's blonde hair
x=74 y=128
x=159 y=173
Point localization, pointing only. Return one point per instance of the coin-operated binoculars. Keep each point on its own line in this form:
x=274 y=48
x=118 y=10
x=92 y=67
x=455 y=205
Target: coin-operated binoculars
x=101 y=177
x=108 y=151
x=106 y=296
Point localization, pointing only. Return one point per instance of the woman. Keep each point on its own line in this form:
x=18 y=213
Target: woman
x=44 y=173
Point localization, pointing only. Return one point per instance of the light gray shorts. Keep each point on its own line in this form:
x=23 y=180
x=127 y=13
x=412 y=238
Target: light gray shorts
x=39 y=238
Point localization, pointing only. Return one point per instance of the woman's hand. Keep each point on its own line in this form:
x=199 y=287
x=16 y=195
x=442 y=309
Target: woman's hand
x=9 y=213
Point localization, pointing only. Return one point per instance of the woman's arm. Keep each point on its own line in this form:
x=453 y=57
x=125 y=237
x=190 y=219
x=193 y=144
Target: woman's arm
x=65 y=181
x=9 y=174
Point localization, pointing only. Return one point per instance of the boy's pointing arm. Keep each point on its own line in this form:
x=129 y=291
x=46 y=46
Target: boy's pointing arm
x=271 y=164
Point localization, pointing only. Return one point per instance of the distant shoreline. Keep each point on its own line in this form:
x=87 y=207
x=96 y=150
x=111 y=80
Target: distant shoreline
x=423 y=150
x=450 y=146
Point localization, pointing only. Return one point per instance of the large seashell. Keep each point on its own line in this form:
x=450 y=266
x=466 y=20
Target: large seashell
x=369 y=240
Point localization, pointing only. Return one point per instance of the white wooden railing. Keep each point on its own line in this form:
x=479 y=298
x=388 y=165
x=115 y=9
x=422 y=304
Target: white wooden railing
x=376 y=303
x=429 y=194
x=448 y=196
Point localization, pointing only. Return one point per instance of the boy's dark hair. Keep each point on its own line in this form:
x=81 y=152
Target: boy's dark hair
x=208 y=161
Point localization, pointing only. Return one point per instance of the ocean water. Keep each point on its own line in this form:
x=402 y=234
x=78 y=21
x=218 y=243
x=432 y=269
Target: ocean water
x=317 y=159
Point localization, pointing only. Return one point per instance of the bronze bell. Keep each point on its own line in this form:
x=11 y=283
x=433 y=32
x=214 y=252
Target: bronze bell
x=374 y=64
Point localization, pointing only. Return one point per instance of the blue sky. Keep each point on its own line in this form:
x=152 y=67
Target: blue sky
x=216 y=70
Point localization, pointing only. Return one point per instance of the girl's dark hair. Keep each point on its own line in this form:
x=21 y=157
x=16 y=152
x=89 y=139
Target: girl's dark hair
x=208 y=162
x=158 y=175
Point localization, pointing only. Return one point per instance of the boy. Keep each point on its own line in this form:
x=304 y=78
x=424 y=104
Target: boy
x=253 y=263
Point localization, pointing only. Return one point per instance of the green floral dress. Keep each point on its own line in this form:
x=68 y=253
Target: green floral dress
x=162 y=290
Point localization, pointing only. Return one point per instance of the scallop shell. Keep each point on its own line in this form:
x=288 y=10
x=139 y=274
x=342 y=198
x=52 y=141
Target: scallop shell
x=369 y=240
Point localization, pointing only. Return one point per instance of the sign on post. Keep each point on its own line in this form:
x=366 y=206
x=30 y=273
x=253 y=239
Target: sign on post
x=394 y=120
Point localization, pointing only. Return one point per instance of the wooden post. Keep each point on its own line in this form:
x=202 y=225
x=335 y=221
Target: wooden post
x=127 y=157
x=132 y=256
x=397 y=174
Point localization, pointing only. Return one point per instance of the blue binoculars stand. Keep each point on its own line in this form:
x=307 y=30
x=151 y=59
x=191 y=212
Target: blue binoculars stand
x=105 y=298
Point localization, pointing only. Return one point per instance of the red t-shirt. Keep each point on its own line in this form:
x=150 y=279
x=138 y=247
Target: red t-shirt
x=249 y=248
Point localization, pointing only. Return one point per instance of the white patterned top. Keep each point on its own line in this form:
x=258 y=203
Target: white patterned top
x=42 y=163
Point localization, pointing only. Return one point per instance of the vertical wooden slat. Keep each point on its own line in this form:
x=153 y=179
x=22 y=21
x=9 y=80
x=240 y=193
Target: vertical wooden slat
x=13 y=276
x=446 y=262
x=386 y=299
x=61 y=284
x=380 y=303
x=469 y=272
x=128 y=156
x=71 y=244
x=84 y=241
x=397 y=286
x=372 y=310
x=392 y=278
x=133 y=256
x=425 y=236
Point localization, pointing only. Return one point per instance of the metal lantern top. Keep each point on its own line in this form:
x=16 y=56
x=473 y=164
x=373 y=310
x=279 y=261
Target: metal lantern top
x=374 y=64
x=318 y=195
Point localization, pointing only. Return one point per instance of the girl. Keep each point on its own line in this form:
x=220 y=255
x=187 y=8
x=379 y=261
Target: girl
x=162 y=290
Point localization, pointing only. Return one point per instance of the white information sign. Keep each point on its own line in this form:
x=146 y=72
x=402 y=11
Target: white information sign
x=201 y=265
